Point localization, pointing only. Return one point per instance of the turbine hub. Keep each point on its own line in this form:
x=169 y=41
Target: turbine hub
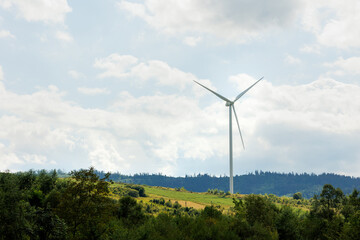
x=227 y=104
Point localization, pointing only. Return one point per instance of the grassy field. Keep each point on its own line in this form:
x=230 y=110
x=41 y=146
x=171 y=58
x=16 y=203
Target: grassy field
x=185 y=198
x=202 y=199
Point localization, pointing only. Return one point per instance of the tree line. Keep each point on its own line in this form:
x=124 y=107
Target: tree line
x=39 y=205
x=259 y=182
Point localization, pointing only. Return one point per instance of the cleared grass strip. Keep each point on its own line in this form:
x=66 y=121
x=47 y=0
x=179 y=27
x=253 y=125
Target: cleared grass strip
x=200 y=198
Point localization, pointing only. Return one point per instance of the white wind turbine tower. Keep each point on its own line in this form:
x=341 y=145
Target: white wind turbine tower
x=230 y=104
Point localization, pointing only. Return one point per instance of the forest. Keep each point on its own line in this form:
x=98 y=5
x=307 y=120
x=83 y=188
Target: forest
x=259 y=182
x=40 y=205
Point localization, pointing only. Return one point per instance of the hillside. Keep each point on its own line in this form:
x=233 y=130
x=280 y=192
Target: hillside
x=39 y=205
x=280 y=184
x=152 y=195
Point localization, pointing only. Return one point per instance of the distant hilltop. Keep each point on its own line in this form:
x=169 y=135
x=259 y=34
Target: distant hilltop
x=259 y=182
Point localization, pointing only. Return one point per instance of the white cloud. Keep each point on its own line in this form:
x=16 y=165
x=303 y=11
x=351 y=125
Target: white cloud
x=345 y=66
x=297 y=125
x=324 y=105
x=6 y=34
x=93 y=91
x=104 y=152
x=292 y=60
x=64 y=36
x=284 y=128
x=34 y=158
x=5 y=4
x=1 y=74
x=115 y=65
x=44 y=124
x=309 y=113
x=75 y=74
x=242 y=81
x=237 y=21
x=192 y=41
x=174 y=126
x=9 y=159
x=125 y=66
x=49 y=11
x=334 y=23
x=311 y=49
x=162 y=73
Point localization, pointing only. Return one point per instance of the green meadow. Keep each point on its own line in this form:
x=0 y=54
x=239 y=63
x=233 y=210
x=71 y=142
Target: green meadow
x=200 y=198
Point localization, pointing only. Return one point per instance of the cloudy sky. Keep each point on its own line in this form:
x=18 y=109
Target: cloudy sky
x=110 y=84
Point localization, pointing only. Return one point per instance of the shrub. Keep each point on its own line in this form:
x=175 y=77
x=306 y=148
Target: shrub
x=176 y=205
x=132 y=193
x=168 y=204
x=297 y=196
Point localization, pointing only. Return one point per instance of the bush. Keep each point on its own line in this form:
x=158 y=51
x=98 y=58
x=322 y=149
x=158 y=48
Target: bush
x=211 y=212
x=176 y=205
x=140 y=189
x=168 y=204
x=297 y=196
x=132 y=193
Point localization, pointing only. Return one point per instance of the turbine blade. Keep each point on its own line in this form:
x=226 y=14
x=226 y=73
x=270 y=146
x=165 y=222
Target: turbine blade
x=237 y=121
x=242 y=93
x=223 y=98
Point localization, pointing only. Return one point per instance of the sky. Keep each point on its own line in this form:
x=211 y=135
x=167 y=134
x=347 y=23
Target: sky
x=110 y=84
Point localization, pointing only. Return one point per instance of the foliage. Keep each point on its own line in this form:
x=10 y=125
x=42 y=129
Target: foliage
x=130 y=212
x=255 y=218
x=25 y=211
x=38 y=205
x=304 y=204
x=288 y=223
x=297 y=196
x=131 y=190
x=85 y=206
x=13 y=215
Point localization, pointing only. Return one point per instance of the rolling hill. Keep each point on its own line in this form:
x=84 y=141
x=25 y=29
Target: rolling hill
x=280 y=184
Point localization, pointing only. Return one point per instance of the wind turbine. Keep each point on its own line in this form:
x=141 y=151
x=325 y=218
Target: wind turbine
x=230 y=104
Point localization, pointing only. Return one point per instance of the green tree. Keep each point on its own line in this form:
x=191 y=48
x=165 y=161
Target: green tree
x=324 y=220
x=14 y=213
x=330 y=197
x=130 y=212
x=288 y=223
x=261 y=210
x=351 y=212
x=351 y=204
x=255 y=218
x=46 y=181
x=85 y=205
x=48 y=226
x=211 y=212
x=352 y=227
